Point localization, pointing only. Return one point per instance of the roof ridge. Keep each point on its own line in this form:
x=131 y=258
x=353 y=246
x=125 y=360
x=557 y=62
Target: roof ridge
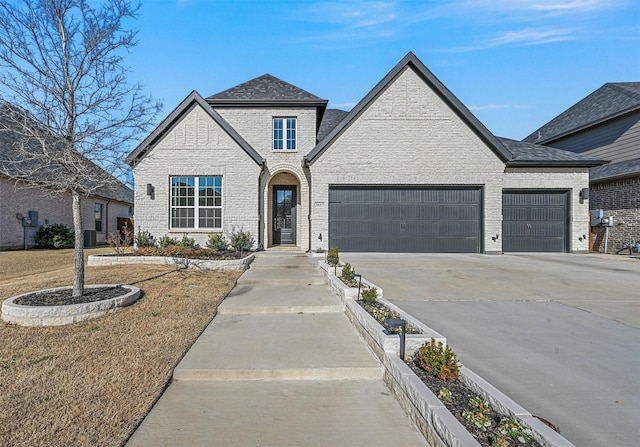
x=618 y=86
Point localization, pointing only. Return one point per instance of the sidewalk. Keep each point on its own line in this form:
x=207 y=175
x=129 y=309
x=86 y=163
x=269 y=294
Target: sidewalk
x=280 y=365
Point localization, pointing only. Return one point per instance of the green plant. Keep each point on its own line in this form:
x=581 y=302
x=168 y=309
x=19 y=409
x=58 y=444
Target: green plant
x=333 y=257
x=478 y=417
x=438 y=360
x=241 y=240
x=513 y=429
x=167 y=241
x=369 y=294
x=144 y=239
x=347 y=275
x=216 y=241
x=187 y=242
x=54 y=236
x=444 y=394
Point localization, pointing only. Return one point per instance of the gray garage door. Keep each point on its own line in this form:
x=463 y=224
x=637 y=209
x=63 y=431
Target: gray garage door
x=405 y=220
x=534 y=221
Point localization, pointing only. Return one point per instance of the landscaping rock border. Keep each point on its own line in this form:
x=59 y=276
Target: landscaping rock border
x=436 y=423
x=224 y=265
x=65 y=314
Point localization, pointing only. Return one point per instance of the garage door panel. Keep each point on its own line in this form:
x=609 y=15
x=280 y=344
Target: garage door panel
x=388 y=219
x=535 y=221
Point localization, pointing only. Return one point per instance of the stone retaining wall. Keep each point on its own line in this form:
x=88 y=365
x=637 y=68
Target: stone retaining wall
x=200 y=264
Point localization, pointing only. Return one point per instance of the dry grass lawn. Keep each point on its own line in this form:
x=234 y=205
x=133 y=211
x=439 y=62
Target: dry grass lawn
x=92 y=383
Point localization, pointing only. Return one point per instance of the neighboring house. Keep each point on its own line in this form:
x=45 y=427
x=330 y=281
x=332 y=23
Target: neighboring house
x=606 y=125
x=24 y=208
x=409 y=169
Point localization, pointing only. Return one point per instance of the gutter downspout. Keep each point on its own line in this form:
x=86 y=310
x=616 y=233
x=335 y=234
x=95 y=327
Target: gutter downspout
x=106 y=220
x=305 y=168
x=263 y=168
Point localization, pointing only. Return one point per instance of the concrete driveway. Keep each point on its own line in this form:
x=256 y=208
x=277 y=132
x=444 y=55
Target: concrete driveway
x=558 y=333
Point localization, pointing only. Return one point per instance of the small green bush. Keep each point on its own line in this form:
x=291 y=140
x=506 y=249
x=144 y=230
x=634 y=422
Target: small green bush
x=241 y=240
x=478 y=417
x=438 y=360
x=54 y=236
x=216 y=241
x=167 y=241
x=144 y=239
x=187 y=242
x=369 y=294
x=333 y=257
x=347 y=274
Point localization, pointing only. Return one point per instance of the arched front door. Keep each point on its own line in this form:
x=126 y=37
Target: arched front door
x=284 y=214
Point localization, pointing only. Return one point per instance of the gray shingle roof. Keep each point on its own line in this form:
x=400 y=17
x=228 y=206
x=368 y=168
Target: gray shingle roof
x=610 y=100
x=613 y=171
x=14 y=166
x=526 y=153
x=263 y=89
x=330 y=120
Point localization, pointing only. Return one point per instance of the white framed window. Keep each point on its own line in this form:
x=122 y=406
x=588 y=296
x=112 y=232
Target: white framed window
x=196 y=202
x=285 y=134
x=98 y=216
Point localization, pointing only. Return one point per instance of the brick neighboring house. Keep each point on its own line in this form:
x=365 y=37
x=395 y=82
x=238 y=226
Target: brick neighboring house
x=103 y=211
x=408 y=169
x=606 y=125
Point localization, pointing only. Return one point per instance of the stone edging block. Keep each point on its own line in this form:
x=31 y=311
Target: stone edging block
x=200 y=264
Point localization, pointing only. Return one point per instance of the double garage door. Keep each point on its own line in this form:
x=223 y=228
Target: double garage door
x=442 y=220
x=405 y=220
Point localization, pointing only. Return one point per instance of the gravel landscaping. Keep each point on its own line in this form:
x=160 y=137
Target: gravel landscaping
x=92 y=383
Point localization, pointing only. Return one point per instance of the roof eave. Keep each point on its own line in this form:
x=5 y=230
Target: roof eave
x=463 y=112
x=614 y=177
x=267 y=102
x=555 y=163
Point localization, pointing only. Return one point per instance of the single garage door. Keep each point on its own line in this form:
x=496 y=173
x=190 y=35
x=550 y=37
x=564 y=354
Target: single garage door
x=405 y=220
x=534 y=221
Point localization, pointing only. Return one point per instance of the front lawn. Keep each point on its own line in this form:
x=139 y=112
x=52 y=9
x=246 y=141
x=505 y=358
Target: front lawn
x=92 y=383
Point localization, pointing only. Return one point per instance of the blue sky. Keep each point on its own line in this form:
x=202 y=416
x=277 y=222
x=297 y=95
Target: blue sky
x=516 y=64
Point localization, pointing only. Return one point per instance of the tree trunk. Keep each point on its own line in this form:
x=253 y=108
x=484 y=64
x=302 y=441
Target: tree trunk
x=78 y=271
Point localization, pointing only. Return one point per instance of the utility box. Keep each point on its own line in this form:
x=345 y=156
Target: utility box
x=89 y=238
x=607 y=221
x=596 y=217
x=33 y=217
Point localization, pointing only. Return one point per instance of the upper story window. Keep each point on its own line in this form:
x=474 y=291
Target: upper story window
x=196 y=202
x=284 y=134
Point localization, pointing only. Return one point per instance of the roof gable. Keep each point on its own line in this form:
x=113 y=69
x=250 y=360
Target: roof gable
x=194 y=98
x=265 y=89
x=609 y=101
x=530 y=154
x=410 y=60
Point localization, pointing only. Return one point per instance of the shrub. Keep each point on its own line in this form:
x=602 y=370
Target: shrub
x=369 y=294
x=333 y=257
x=54 y=236
x=119 y=241
x=347 y=274
x=144 y=239
x=241 y=240
x=149 y=251
x=216 y=241
x=167 y=241
x=444 y=394
x=478 y=417
x=187 y=242
x=438 y=360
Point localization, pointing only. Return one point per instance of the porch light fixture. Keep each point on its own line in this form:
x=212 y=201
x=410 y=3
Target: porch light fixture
x=150 y=189
x=396 y=323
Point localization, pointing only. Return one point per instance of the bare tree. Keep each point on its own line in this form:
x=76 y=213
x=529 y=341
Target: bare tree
x=66 y=100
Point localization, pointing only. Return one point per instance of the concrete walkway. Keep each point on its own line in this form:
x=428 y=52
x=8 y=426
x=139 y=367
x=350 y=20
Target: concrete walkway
x=280 y=365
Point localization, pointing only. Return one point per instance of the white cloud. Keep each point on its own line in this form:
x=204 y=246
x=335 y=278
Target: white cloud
x=523 y=37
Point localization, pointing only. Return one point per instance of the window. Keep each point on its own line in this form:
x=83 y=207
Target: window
x=98 y=216
x=284 y=134
x=196 y=202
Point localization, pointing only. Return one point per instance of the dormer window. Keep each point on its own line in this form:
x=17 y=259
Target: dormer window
x=284 y=134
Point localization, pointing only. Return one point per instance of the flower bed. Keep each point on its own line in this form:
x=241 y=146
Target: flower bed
x=217 y=265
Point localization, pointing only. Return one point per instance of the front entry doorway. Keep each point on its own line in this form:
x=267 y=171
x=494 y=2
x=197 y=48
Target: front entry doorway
x=284 y=214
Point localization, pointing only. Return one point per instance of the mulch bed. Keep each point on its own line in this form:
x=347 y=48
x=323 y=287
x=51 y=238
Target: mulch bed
x=64 y=297
x=381 y=312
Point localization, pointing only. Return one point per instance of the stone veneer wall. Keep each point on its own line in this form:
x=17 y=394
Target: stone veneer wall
x=621 y=200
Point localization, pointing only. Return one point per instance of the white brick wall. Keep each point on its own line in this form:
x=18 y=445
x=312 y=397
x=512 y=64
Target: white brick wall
x=197 y=146
x=408 y=136
x=51 y=209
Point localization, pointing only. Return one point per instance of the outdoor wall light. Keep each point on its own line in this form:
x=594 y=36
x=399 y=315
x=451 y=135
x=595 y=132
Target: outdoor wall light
x=150 y=189
x=320 y=236
x=495 y=238
x=395 y=323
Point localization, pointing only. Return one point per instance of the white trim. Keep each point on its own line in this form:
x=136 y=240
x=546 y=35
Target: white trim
x=196 y=207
